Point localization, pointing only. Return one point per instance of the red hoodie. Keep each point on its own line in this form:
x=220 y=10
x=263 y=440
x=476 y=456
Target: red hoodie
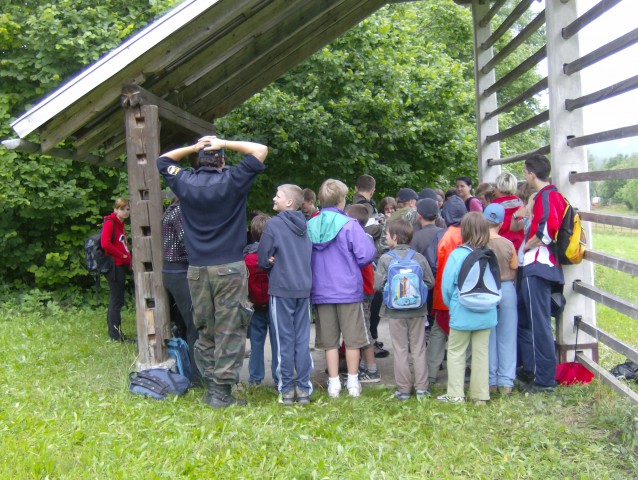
x=115 y=245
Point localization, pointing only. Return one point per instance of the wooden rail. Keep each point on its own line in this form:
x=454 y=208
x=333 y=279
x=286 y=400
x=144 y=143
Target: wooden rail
x=611 y=261
x=523 y=68
x=606 y=377
x=588 y=17
x=519 y=157
x=507 y=23
x=616 y=89
x=620 y=174
x=605 y=51
x=521 y=127
x=526 y=95
x=609 y=300
x=615 y=134
x=612 y=342
x=609 y=219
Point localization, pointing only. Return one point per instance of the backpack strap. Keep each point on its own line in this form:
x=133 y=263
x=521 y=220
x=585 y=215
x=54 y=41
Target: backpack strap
x=409 y=255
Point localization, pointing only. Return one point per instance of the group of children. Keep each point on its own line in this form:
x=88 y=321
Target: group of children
x=331 y=264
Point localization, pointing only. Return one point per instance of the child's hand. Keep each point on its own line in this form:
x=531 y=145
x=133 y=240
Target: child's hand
x=271 y=260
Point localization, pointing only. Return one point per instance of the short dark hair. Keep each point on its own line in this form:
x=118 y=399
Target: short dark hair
x=257 y=225
x=359 y=213
x=309 y=195
x=539 y=165
x=466 y=179
x=402 y=229
x=212 y=158
x=366 y=183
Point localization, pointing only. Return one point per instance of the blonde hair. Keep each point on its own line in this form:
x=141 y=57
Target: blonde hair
x=121 y=203
x=294 y=193
x=475 y=230
x=506 y=183
x=332 y=192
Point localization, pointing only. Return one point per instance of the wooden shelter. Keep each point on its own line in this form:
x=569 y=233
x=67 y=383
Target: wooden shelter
x=205 y=57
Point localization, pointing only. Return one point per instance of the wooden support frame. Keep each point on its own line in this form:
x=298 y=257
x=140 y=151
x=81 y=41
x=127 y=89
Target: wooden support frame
x=30 y=147
x=151 y=300
x=545 y=150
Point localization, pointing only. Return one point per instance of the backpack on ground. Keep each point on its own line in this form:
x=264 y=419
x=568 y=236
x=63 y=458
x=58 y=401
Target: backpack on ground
x=96 y=260
x=479 y=283
x=257 y=283
x=405 y=288
x=178 y=349
x=570 y=239
x=157 y=383
x=625 y=371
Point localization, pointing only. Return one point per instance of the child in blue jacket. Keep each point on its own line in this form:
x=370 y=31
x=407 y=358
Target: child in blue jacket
x=467 y=325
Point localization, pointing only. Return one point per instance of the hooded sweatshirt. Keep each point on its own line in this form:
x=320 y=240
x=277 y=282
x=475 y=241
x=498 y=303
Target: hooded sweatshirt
x=114 y=241
x=285 y=237
x=453 y=211
x=340 y=248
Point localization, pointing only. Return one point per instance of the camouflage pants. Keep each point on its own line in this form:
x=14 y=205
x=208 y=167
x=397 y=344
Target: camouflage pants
x=221 y=313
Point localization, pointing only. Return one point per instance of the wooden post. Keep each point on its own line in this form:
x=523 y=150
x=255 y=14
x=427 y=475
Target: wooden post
x=484 y=104
x=151 y=301
x=563 y=125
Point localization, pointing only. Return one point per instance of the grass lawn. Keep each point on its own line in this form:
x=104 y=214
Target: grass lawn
x=620 y=244
x=65 y=412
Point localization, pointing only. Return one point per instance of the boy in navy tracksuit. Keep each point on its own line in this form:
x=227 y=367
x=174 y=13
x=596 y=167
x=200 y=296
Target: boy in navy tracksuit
x=285 y=250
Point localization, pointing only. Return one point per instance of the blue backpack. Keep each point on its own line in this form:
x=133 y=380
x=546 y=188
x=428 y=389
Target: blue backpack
x=178 y=349
x=157 y=383
x=479 y=283
x=405 y=289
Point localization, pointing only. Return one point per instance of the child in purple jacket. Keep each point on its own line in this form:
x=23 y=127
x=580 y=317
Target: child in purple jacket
x=340 y=249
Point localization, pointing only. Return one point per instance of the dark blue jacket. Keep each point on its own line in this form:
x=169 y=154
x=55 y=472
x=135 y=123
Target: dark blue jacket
x=213 y=203
x=286 y=238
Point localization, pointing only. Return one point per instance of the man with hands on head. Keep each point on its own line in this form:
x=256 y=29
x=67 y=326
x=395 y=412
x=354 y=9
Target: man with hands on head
x=213 y=201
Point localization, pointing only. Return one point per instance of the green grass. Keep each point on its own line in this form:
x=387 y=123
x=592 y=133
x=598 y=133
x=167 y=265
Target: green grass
x=626 y=286
x=65 y=412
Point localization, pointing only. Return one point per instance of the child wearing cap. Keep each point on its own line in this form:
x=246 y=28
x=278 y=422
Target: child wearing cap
x=502 y=349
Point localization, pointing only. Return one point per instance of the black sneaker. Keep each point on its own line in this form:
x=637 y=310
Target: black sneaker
x=534 y=388
x=524 y=376
x=379 y=351
x=302 y=397
x=365 y=376
x=223 y=401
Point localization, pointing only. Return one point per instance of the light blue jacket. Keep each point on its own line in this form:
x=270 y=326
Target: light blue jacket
x=460 y=317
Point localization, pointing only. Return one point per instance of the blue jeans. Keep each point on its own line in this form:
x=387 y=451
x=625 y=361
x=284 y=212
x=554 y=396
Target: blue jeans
x=260 y=324
x=503 y=339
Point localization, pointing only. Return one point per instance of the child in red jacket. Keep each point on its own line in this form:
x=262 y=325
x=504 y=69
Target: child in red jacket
x=261 y=322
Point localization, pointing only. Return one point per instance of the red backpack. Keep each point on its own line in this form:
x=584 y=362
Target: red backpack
x=257 y=282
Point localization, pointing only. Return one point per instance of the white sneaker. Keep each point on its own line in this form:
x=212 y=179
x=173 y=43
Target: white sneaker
x=334 y=389
x=354 y=390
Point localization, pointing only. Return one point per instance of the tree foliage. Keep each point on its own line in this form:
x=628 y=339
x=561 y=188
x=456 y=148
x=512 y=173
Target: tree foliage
x=618 y=191
x=48 y=206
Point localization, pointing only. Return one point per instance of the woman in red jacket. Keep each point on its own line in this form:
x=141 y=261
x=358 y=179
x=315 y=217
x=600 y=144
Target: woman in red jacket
x=115 y=244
